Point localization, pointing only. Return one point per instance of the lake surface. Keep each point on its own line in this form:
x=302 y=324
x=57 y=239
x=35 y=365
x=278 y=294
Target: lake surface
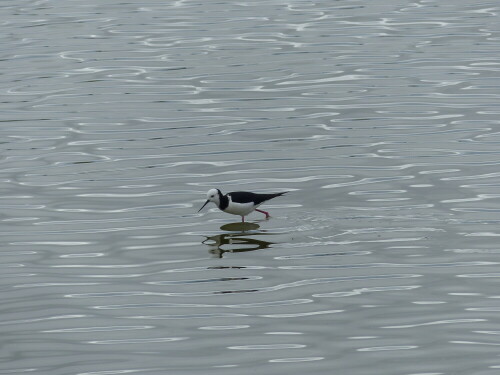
x=382 y=120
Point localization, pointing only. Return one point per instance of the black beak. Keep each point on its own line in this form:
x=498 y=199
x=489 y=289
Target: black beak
x=203 y=205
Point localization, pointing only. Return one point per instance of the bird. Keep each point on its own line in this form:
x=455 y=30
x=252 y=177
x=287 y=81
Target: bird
x=239 y=202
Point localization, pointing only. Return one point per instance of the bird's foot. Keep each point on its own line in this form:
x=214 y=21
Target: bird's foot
x=265 y=213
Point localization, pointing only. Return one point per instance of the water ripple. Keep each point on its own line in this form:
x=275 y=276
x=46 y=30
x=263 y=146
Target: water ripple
x=452 y=321
x=379 y=118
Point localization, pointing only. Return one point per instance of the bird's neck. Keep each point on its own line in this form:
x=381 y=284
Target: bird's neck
x=223 y=201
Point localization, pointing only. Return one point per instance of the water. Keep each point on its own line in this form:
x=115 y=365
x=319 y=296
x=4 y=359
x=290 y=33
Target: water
x=379 y=117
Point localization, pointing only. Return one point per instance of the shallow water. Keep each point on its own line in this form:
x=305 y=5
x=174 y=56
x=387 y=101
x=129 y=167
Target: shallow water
x=379 y=117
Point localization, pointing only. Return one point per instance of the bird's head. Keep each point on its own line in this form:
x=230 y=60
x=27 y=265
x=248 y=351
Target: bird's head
x=213 y=195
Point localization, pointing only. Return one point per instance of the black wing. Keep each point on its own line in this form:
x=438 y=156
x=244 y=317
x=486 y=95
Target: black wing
x=245 y=197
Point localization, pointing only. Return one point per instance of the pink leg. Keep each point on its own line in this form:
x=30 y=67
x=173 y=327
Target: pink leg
x=264 y=212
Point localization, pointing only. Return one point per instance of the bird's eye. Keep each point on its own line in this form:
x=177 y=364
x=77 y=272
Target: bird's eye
x=212 y=196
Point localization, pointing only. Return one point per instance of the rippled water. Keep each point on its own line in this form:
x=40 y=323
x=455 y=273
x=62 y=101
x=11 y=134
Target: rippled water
x=380 y=117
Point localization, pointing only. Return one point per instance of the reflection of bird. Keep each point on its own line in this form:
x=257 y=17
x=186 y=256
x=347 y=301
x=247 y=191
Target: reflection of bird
x=235 y=239
x=239 y=202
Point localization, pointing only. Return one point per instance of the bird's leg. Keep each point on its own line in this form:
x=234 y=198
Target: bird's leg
x=243 y=219
x=264 y=212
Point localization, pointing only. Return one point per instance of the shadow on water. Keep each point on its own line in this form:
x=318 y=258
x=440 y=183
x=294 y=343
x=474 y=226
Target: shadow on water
x=238 y=240
x=240 y=227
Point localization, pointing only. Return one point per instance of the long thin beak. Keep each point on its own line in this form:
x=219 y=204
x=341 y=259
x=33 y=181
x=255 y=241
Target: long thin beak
x=203 y=205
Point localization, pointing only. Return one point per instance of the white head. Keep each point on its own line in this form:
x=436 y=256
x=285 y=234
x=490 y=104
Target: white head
x=213 y=195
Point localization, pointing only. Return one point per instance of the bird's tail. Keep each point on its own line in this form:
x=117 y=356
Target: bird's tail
x=266 y=197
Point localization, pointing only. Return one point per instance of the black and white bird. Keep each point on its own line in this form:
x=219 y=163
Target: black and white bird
x=239 y=202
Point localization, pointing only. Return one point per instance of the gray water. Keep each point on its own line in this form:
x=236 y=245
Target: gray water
x=382 y=120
